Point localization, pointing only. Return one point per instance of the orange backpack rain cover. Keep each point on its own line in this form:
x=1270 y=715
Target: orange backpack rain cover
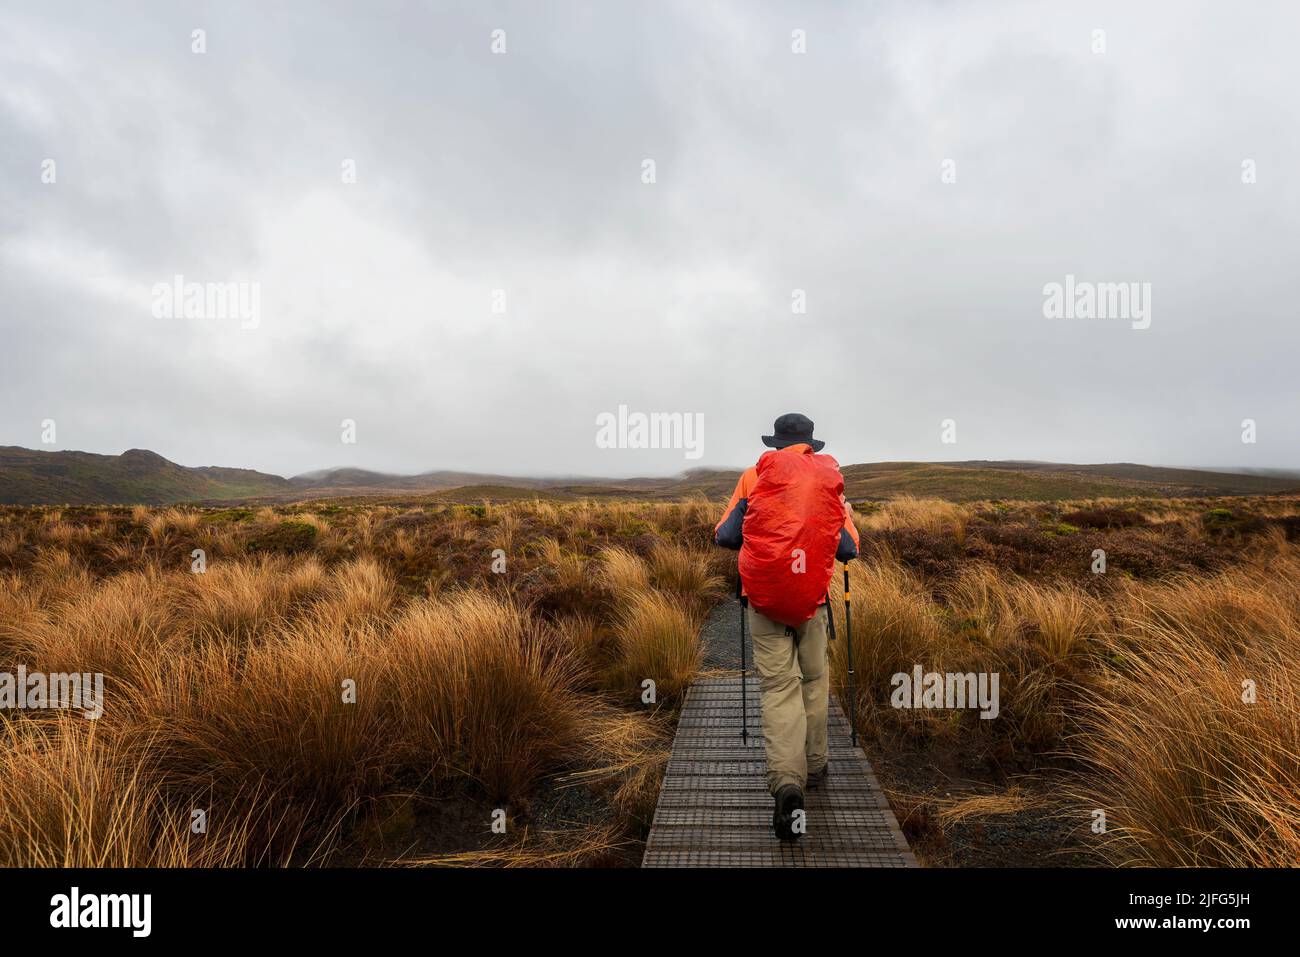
x=795 y=505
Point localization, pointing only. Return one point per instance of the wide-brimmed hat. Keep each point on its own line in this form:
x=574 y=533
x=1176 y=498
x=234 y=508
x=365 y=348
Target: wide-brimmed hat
x=793 y=429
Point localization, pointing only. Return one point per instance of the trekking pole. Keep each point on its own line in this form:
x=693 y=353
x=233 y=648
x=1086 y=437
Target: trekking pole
x=848 y=641
x=744 y=668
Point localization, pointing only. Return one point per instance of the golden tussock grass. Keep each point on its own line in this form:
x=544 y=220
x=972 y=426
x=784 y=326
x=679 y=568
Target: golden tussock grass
x=1191 y=733
x=473 y=683
x=907 y=511
x=567 y=569
x=233 y=690
x=1141 y=688
x=66 y=802
x=238 y=602
x=657 y=639
x=588 y=638
x=954 y=810
x=565 y=848
x=623 y=572
x=286 y=693
x=686 y=572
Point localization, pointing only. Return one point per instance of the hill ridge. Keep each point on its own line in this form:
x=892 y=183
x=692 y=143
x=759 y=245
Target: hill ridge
x=142 y=476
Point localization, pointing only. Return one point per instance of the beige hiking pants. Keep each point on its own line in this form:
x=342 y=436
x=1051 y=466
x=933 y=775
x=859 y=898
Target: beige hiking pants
x=795 y=682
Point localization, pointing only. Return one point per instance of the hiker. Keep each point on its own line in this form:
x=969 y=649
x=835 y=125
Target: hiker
x=790 y=521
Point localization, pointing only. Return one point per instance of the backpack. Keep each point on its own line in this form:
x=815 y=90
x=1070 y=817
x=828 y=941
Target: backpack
x=795 y=505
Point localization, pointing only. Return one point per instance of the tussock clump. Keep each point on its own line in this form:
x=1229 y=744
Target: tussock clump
x=658 y=639
x=928 y=514
x=567 y=569
x=586 y=637
x=60 y=575
x=1189 y=771
x=473 y=688
x=623 y=572
x=68 y=800
x=358 y=591
x=238 y=602
x=119 y=627
x=1058 y=620
x=686 y=572
x=267 y=731
x=1141 y=687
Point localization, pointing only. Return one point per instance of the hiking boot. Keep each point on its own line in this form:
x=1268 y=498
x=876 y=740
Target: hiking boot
x=789 y=799
x=817 y=778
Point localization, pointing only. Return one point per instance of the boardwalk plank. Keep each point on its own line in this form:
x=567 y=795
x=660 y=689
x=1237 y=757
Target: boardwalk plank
x=714 y=809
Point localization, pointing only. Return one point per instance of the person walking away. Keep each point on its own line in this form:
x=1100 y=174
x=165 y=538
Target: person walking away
x=790 y=522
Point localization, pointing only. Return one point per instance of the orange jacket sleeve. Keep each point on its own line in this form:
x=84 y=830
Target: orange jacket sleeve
x=743 y=487
x=848 y=521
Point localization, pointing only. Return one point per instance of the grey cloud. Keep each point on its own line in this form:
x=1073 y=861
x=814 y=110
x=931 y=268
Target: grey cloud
x=775 y=172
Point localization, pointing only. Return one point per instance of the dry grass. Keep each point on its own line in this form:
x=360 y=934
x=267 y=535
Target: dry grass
x=685 y=572
x=624 y=573
x=474 y=690
x=658 y=640
x=930 y=514
x=1140 y=687
x=283 y=693
x=958 y=809
x=567 y=569
x=1187 y=770
x=66 y=801
x=226 y=690
x=567 y=848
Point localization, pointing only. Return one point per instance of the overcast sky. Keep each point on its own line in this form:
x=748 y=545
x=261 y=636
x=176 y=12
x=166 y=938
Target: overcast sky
x=1116 y=158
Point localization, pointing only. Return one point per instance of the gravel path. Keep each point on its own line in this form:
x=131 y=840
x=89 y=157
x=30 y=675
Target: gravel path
x=721 y=638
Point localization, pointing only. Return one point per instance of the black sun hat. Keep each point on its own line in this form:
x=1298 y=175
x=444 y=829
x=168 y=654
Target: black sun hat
x=793 y=429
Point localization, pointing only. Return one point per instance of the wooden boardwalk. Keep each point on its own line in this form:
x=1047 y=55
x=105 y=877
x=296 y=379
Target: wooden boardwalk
x=715 y=811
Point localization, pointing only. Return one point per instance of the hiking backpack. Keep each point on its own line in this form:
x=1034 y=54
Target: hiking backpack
x=791 y=533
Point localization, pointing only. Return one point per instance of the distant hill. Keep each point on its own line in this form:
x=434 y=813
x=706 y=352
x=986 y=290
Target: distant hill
x=349 y=480
x=141 y=477
x=955 y=481
x=973 y=481
x=1052 y=480
x=137 y=476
